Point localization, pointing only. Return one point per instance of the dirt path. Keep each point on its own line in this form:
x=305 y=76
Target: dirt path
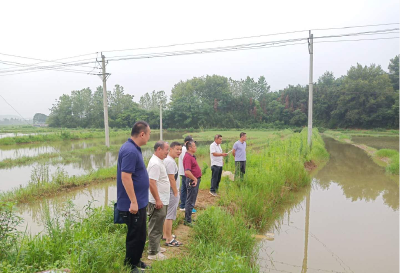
x=182 y=232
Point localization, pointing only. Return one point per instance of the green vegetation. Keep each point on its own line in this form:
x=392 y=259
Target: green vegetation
x=366 y=97
x=60 y=135
x=393 y=155
x=222 y=238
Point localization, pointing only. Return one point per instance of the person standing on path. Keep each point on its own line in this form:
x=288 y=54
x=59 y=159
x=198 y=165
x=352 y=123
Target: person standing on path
x=217 y=161
x=182 y=176
x=132 y=193
x=239 y=152
x=193 y=175
x=158 y=199
x=172 y=172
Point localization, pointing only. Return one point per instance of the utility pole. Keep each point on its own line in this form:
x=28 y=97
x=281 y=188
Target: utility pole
x=105 y=100
x=310 y=90
x=161 y=136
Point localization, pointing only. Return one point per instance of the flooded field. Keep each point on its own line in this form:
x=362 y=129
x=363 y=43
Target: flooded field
x=17 y=176
x=378 y=142
x=347 y=221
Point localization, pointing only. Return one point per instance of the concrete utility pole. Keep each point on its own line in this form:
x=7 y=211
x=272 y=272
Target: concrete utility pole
x=310 y=90
x=161 y=136
x=105 y=100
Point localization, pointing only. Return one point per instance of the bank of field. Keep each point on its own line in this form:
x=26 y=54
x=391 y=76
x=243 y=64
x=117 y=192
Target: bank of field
x=387 y=158
x=53 y=135
x=222 y=238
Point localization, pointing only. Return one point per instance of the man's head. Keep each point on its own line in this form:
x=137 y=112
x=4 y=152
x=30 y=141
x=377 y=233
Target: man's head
x=187 y=139
x=243 y=136
x=191 y=146
x=161 y=149
x=141 y=133
x=218 y=139
x=175 y=149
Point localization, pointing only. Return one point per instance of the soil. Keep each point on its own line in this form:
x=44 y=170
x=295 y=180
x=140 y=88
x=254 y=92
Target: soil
x=182 y=232
x=310 y=166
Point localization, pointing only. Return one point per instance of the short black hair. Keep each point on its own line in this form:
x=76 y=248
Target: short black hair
x=242 y=134
x=175 y=143
x=188 y=138
x=217 y=136
x=159 y=144
x=138 y=127
x=189 y=144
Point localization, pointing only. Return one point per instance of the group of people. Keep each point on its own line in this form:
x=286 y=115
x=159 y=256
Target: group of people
x=153 y=192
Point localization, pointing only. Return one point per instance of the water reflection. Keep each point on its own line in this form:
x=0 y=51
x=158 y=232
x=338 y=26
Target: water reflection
x=34 y=214
x=358 y=176
x=344 y=228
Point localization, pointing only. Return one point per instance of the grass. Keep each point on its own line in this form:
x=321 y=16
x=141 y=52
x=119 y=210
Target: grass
x=60 y=135
x=222 y=238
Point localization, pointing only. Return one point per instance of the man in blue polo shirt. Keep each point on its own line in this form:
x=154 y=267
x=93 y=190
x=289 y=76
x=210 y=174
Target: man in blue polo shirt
x=239 y=152
x=133 y=193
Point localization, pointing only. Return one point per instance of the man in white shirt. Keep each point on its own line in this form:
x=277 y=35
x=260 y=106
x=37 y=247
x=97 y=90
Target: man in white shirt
x=158 y=199
x=172 y=171
x=217 y=161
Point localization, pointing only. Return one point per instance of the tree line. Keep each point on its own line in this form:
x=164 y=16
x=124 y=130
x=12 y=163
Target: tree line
x=366 y=97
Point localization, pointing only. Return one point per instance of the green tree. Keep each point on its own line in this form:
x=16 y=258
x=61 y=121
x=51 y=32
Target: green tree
x=394 y=72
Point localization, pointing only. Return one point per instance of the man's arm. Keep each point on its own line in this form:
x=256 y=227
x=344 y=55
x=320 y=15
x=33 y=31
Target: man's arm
x=128 y=185
x=233 y=152
x=154 y=192
x=172 y=181
x=219 y=154
x=189 y=174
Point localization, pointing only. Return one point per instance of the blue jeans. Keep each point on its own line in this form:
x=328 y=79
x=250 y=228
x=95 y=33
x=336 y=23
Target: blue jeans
x=183 y=192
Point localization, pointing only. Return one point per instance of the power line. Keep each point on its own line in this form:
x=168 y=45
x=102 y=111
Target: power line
x=222 y=49
x=44 y=61
x=247 y=37
x=54 y=67
x=383 y=38
x=15 y=110
x=375 y=32
x=34 y=68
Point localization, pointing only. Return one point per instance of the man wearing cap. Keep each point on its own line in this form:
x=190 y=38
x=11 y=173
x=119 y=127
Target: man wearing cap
x=182 y=175
x=193 y=177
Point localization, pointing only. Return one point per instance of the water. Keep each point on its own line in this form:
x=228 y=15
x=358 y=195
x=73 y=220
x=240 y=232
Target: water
x=347 y=221
x=17 y=151
x=378 y=142
x=18 y=176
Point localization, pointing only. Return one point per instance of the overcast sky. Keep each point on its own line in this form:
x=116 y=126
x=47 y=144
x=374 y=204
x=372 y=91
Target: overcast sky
x=53 y=29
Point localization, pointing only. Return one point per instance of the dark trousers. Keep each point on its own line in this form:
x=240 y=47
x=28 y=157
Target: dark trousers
x=192 y=192
x=216 y=172
x=136 y=237
x=240 y=169
x=183 y=192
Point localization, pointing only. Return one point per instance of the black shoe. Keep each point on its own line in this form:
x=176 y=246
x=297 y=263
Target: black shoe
x=142 y=265
x=136 y=270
